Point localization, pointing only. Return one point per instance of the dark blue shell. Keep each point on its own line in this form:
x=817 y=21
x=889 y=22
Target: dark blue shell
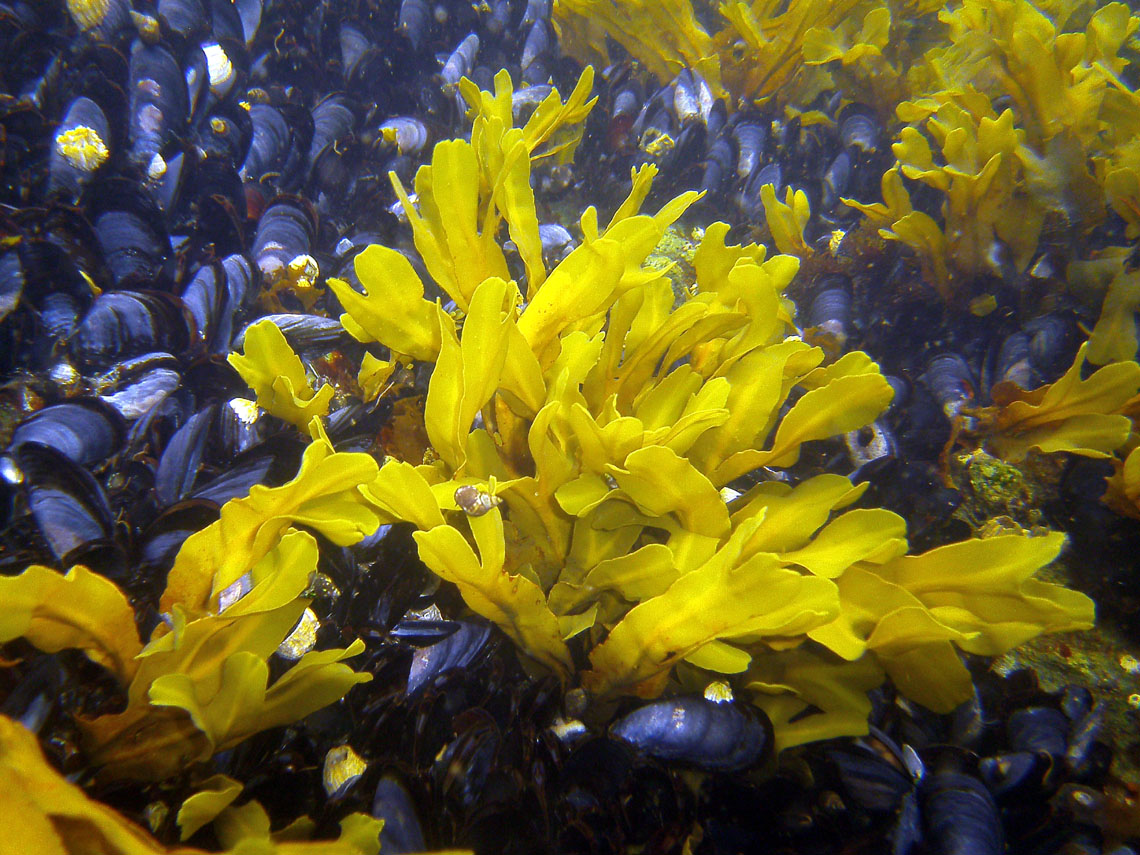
x=718 y=736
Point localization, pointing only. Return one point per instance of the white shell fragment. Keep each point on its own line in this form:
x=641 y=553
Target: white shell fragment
x=219 y=67
x=302 y=639
x=342 y=767
x=234 y=592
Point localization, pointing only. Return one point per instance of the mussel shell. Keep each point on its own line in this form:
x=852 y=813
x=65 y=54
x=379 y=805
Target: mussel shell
x=1013 y=363
x=751 y=137
x=411 y=133
x=226 y=18
x=536 y=50
x=285 y=230
x=84 y=430
x=414 y=21
x=458 y=650
x=269 y=147
x=836 y=180
x=691 y=729
x=162 y=538
x=950 y=380
x=1014 y=773
x=250 y=13
x=66 y=502
x=461 y=61
x=422 y=633
x=1053 y=343
x=159 y=101
x=136 y=385
x=130 y=229
x=960 y=815
x=236 y=480
x=64 y=175
x=333 y=120
x=870 y=780
x=178 y=466
x=1040 y=729
x=11 y=283
x=718 y=164
x=187 y=18
x=123 y=324
x=859 y=129
x=206 y=297
x=831 y=305
x=402 y=831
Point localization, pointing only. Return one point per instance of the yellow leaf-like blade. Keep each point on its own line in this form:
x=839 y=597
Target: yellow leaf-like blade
x=714 y=601
x=513 y=602
x=845 y=404
x=277 y=376
x=660 y=482
x=580 y=286
x=638 y=575
x=756 y=392
x=317 y=680
x=467 y=372
x=986 y=587
x=58 y=813
x=323 y=496
x=871 y=534
x=515 y=200
x=392 y=309
x=403 y=495
x=80 y=610
x=792 y=516
x=721 y=657
x=1089 y=435
x=786 y=220
x=214 y=795
x=810 y=697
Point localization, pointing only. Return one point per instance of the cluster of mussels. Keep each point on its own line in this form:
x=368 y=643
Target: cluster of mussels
x=175 y=170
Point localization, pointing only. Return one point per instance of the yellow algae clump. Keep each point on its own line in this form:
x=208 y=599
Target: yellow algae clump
x=235 y=593
x=82 y=147
x=51 y=814
x=1080 y=416
x=581 y=442
x=88 y=14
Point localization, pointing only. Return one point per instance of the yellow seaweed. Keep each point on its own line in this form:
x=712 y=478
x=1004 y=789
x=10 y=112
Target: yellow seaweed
x=1080 y=416
x=277 y=375
x=323 y=496
x=45 y=814
x=80 y=610
x=392 y=307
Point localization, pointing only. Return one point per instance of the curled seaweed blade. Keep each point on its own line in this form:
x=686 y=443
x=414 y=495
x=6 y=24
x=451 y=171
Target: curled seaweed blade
x=80 y=610
x=1080 y=416
x=811 y=697
x=787 y=219
x=468 y=372
x=54 y=815
x=214 y=795
x=277 y=375
x=721 y=599
x=392 y=310
x=1113 y=338
x=514 y=602
x=243 y=706
x=323 y=496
